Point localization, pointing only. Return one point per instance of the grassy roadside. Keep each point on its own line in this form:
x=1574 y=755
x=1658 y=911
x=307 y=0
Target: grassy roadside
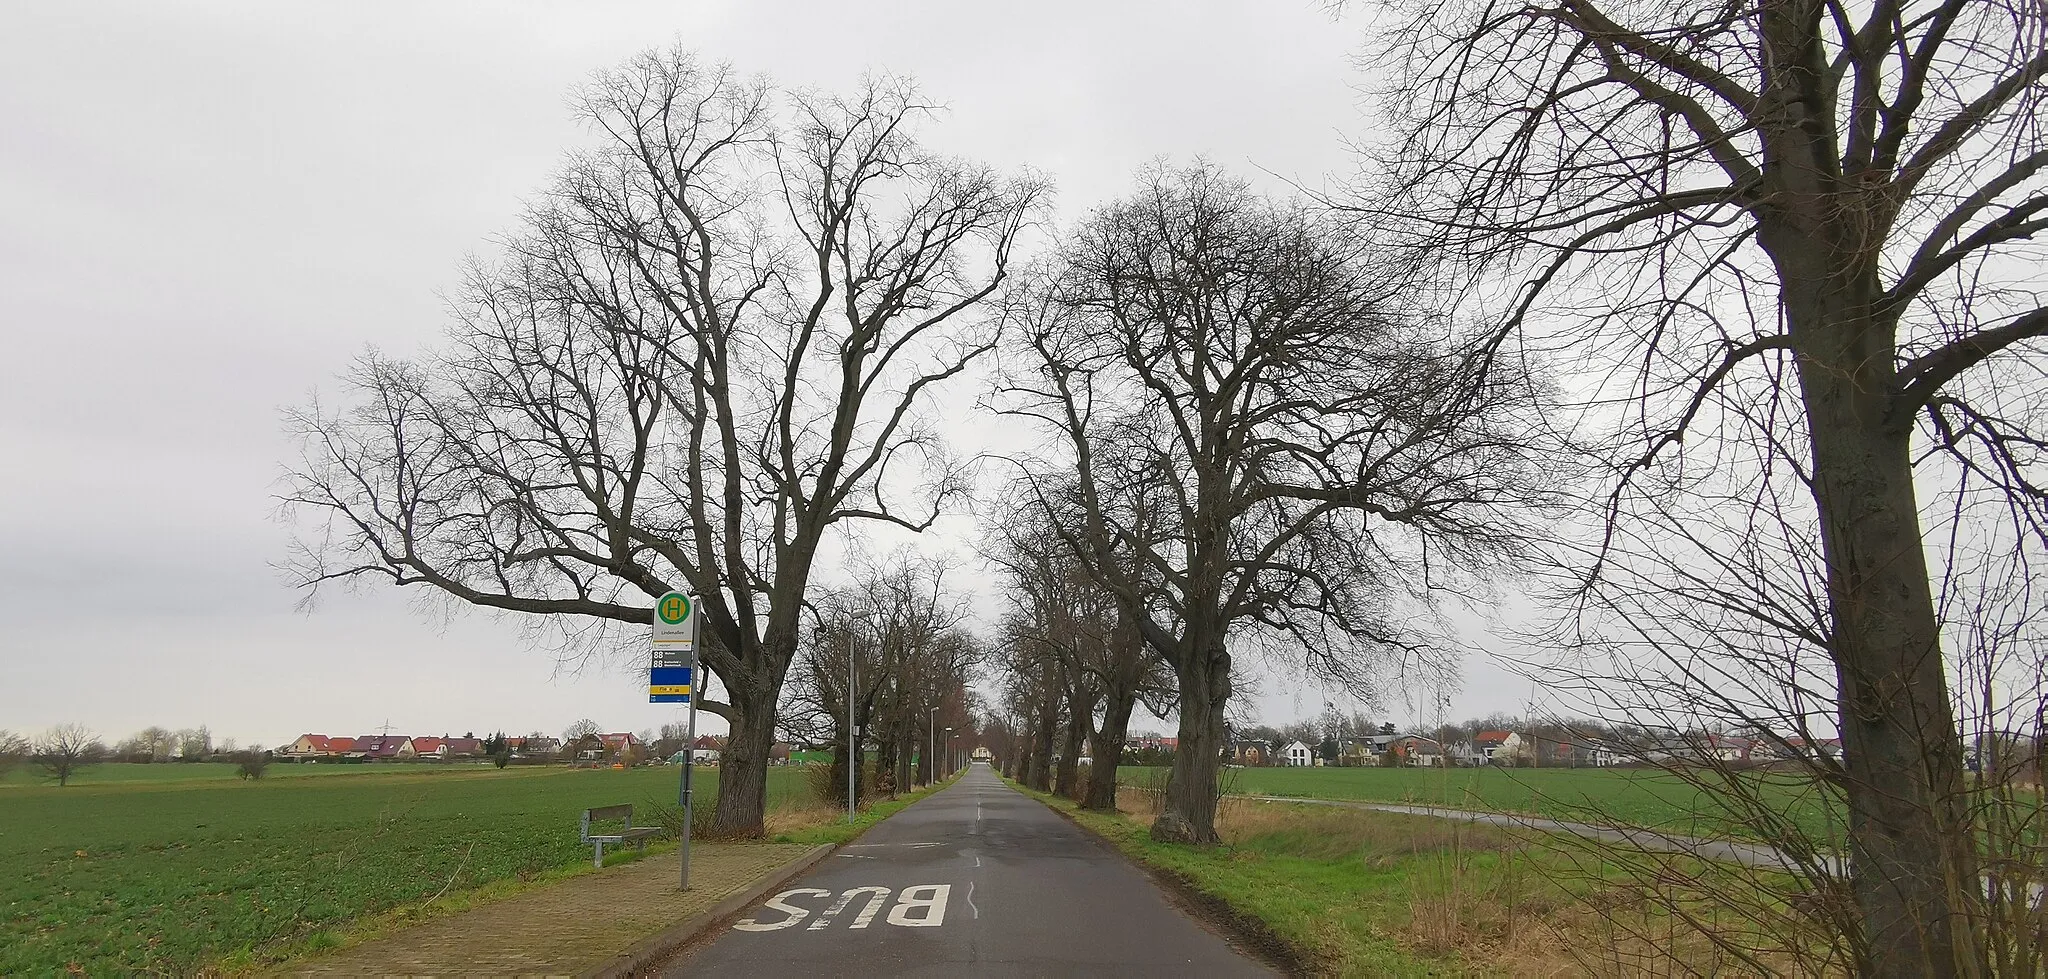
x=830 y=825
x=1382 y=894
x=813 y=825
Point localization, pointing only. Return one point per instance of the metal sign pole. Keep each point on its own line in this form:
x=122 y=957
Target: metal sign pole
x=690 y=738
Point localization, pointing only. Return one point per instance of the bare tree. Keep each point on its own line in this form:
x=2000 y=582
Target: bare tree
x=151 y=744
x=1835 y=203
x=713 y=342
x=65 y=750
x=581 y=729
x=912 y=653
x=1056 y=604
x=1262 y=443
x=194 y=744
x=13 y=748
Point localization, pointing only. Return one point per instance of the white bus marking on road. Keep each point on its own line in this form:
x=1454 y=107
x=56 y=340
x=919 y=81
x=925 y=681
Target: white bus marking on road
x=933 y=905
x=917 y=906
x=779 y=903
x=877 y=896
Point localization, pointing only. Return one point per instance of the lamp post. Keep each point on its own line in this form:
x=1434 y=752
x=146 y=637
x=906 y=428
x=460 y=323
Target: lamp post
x=852 y=732
x=931 y=754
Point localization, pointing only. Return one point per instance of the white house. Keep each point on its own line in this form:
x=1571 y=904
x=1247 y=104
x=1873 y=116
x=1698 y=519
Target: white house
x=1294 y=754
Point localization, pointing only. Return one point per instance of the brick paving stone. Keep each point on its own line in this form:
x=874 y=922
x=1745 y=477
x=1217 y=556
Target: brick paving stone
x=565 y=928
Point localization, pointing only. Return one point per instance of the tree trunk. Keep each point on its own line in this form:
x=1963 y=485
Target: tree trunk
x=1025 y=754
x=1107 y=751
x=1910 y=851
x=1067 y=777
x=906 y=749
x=743 y=770
x=1189 y=815
x=1043 y=735
x=885 y=761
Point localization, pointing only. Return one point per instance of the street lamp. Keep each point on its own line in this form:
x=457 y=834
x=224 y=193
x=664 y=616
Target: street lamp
x=852 y=732
x=931 y=755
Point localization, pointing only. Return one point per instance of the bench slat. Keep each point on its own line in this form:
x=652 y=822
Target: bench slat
x=624 y=812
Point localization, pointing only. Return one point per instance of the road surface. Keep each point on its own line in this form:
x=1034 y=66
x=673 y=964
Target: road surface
x=976 y=880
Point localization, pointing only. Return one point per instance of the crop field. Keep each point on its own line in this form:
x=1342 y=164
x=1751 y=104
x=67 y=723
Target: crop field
x=1636 y=797
x=167 y=868
x=125 y=774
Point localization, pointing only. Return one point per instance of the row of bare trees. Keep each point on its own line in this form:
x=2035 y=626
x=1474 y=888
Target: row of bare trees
x=159 y=744
x=713 y=341
x=1253 y=446
x=1738 y=304
x=906 y=626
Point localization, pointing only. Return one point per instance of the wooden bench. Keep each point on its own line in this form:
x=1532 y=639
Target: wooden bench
x=627 y=833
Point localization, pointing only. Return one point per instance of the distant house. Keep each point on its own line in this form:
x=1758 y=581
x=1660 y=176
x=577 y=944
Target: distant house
x=1490 y=743
x=1248 y=751
x=534 y=747
x=1359 y=752
x=1594 y=753
x=380 y=747
x=707 y=748
x=1463 y=754
x=1416 y=751
x=312 y=746
x=429 y=749
x=1294 y=754
x=619 y=744
x=465 y=747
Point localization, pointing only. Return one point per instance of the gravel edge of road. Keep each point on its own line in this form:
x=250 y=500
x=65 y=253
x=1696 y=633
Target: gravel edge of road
x=1243 y=931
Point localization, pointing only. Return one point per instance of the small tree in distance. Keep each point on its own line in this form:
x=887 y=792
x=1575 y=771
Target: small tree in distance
x=13 y=748
x=252 y=764
x=65 y=750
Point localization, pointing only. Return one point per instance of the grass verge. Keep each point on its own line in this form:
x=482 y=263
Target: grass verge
x=1382 y=894
x=822 y=825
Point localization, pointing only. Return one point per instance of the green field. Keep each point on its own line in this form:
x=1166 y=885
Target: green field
x=166 y=868
x=1637 y=797
x=122 y=774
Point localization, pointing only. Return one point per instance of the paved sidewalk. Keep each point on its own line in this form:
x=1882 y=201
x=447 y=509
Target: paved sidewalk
x=568 y=928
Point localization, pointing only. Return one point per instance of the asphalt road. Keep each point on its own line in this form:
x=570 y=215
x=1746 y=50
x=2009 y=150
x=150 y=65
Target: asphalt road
x=976 y=880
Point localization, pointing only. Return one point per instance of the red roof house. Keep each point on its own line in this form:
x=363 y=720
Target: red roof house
x=380 y=746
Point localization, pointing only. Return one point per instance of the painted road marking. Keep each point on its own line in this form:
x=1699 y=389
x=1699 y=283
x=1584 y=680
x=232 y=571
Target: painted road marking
x=780 y=902
x=917 y=906
x=877 y=896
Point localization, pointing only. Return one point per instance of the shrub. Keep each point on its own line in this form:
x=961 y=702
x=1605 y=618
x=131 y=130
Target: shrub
x=251 y=764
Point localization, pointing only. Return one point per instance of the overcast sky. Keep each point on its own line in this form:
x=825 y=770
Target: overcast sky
x=207 y=210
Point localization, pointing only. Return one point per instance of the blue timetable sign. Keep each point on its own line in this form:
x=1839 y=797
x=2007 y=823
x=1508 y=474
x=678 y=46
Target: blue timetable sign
x=668 y=685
